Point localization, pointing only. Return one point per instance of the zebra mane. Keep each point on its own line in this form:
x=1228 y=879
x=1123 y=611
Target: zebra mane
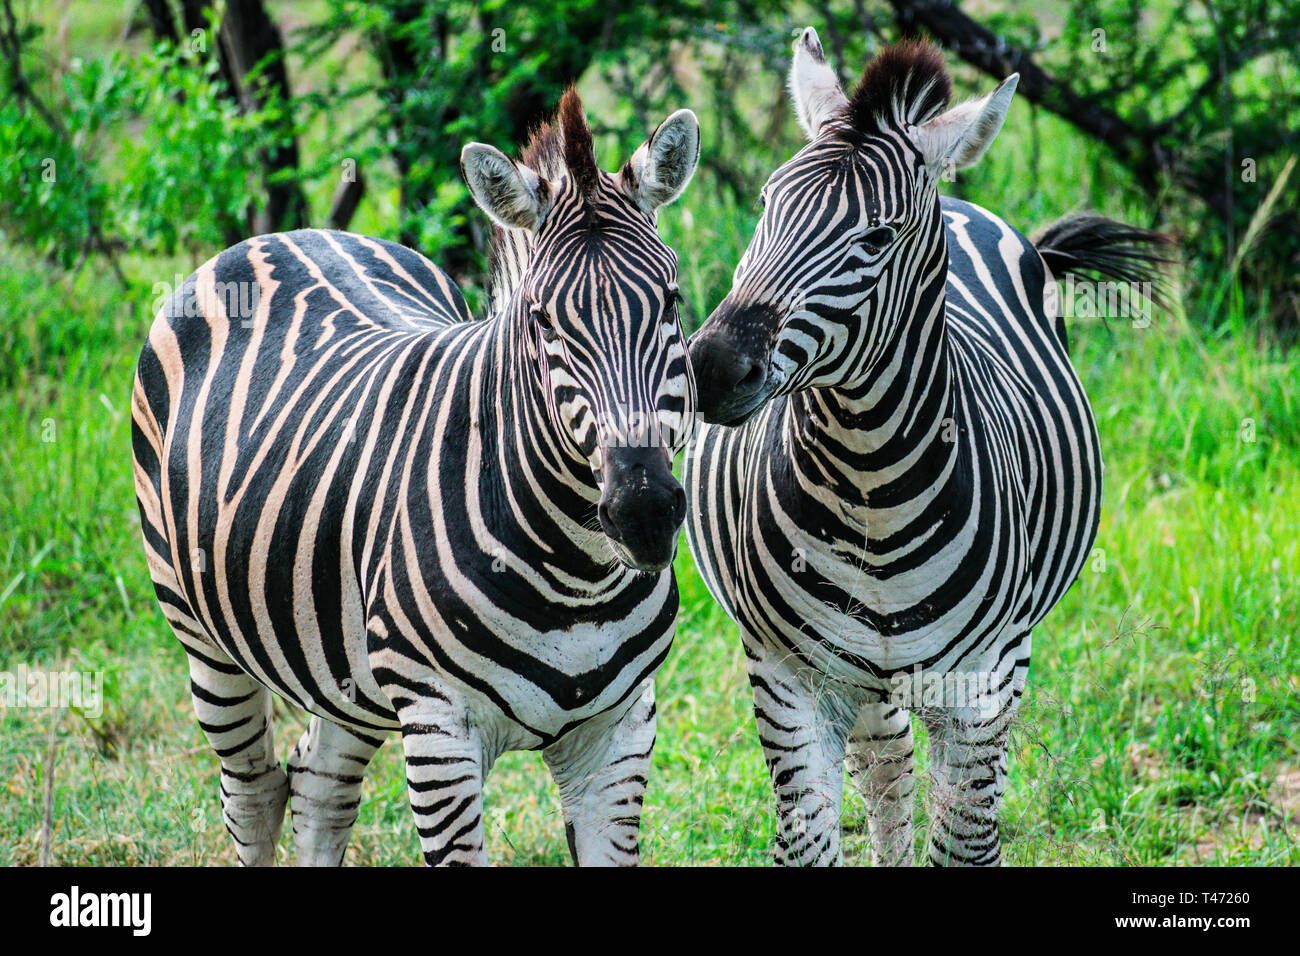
x=562 y=147
x=904 y=85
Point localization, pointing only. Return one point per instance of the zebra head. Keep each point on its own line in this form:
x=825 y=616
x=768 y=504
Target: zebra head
x=850 y=244
x=580 y=272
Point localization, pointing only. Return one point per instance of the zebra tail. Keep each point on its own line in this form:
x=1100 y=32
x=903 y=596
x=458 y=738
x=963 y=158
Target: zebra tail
x=1091 y=245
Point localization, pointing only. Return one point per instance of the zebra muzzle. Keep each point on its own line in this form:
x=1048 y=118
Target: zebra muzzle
x=641 y=506
x=731 y=370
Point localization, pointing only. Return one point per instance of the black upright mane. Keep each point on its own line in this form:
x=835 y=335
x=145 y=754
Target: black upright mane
x=904 y=84
x=561 y=147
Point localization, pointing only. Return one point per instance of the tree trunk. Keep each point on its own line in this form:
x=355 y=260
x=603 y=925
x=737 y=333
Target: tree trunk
x=251 y=42
x=248 y=39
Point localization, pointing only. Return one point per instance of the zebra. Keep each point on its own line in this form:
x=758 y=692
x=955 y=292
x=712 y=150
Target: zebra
x=911 y=476
x=397 y=517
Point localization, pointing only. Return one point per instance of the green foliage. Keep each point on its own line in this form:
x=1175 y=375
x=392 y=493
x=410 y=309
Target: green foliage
x=1214 y=89
x=41 y=208
x=57 y=320
x=185 y=174
x=458 y=72
x=154 y=156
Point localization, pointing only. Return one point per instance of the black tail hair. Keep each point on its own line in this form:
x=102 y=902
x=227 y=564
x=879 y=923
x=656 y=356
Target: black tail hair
x=1089 y=244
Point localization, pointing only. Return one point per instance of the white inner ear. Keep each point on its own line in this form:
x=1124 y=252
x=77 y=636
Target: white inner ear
x=511 y=194
x=957 y=138
x=665 y=163
x=813 y=87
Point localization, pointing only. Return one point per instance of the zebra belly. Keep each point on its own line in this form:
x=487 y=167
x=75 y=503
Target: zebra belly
x=350 y=696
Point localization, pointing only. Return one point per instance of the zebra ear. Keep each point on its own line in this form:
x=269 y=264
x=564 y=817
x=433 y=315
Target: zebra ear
x=513 y=195
x=813 y=87
x=957 y=138
x=661 y=167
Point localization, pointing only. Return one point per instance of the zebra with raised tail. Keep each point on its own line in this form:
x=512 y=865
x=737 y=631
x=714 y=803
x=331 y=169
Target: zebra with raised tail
x=912 y=478
x=362 y=500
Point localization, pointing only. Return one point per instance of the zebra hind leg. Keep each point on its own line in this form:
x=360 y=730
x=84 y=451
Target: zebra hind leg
x=234 y=712
x=326 y=770
x=601 y=770
x=879 y=761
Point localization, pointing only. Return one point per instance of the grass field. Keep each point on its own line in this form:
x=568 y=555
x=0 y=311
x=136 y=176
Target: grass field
x=1162 y=721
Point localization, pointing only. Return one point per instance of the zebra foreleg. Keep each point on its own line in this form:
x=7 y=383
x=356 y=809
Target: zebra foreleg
x=445 y=767
x=234 y=711
x=326 y=771
x=803 y=737
x=879 y=761
x=968 y=771
x=601 y=770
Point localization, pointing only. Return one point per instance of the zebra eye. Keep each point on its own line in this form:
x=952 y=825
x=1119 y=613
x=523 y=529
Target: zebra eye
x=543 y=320
x=877 y=238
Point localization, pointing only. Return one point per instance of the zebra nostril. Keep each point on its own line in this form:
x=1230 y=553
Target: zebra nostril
x=679 y=506
x=607 y=524
x=752 y=380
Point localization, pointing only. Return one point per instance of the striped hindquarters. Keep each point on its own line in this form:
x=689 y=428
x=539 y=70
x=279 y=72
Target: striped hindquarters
x=268 y=386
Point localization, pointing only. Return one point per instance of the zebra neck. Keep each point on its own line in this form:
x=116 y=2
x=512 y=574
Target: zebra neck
x=511 y=250
x=894 y=433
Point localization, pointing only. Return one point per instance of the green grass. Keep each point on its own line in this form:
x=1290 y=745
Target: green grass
x=1161 y=724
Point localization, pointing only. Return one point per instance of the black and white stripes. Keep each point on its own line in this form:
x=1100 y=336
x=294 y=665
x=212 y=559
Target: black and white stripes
x=399 y=518
x=913 y=477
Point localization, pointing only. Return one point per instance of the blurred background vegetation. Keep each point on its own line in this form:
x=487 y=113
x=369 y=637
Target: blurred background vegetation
x=187 y=124
x=140 y=137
